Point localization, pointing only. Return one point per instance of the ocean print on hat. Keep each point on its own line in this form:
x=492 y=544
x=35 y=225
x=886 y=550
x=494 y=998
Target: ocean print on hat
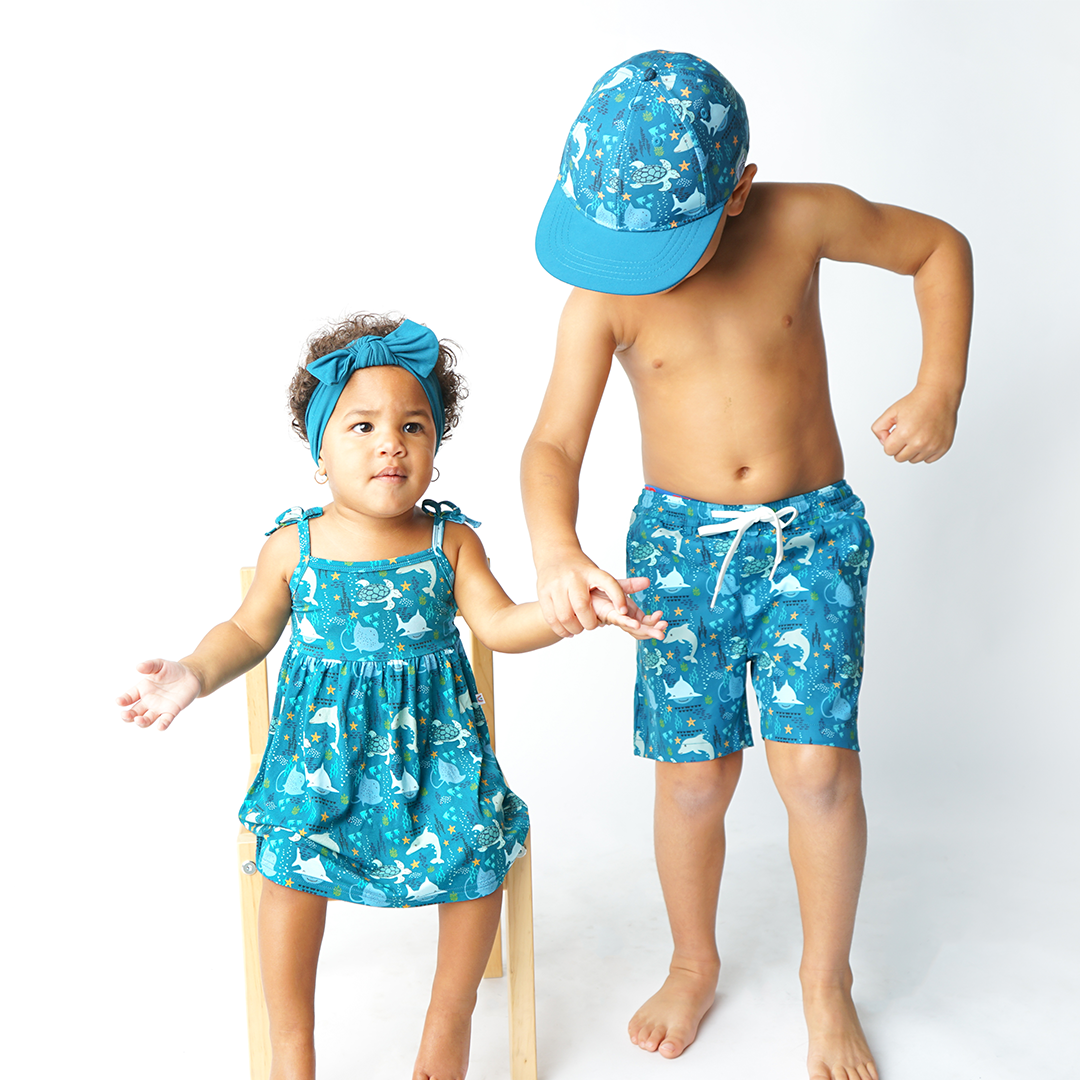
x=647 y=168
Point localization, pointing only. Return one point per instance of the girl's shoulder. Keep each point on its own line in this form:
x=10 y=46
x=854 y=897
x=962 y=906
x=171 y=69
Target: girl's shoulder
x=281 y=551
x=453 y=529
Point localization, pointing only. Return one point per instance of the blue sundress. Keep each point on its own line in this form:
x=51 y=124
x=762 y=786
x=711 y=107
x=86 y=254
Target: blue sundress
x=378 y=784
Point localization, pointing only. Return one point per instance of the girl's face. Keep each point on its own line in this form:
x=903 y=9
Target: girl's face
x=378 y=449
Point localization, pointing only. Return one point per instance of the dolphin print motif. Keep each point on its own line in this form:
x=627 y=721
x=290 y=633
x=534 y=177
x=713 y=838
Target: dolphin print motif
x=685 y=634
x=671 y=534
x=794 y=639
x=697 y=744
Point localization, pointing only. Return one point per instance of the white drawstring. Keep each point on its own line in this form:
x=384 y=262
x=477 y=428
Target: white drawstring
x=741 y=520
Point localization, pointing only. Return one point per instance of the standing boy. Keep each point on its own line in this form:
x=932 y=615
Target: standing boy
x=707 y=293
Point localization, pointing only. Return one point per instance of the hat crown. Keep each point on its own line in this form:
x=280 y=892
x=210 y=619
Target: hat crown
x=661 y=141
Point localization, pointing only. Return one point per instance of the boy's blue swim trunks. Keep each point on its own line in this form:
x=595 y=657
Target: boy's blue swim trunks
x=790 y=603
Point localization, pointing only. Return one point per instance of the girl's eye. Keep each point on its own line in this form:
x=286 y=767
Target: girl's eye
x=363 y=426
x=413 y=427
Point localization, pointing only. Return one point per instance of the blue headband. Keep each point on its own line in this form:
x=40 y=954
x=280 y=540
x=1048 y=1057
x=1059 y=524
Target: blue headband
x=411 y=346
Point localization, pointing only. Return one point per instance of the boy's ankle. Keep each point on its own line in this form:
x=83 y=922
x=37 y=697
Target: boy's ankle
x=704 y=963
x=819 y=980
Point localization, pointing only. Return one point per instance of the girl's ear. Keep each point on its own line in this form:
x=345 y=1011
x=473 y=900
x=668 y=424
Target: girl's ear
x=737 y=199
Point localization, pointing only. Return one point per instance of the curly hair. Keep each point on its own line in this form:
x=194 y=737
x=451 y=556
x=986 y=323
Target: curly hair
x=452 y=385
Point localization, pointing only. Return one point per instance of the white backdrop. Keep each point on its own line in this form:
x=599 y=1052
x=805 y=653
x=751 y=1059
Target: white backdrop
x=194 y=189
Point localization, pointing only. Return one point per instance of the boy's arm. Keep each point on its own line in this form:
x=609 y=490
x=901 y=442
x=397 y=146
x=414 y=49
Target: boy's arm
x=551 y=466
x=504 y=626
x=920 y=426
x=228 y=650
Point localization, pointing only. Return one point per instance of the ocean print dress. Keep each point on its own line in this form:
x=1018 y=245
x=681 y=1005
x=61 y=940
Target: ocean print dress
x=378 y=784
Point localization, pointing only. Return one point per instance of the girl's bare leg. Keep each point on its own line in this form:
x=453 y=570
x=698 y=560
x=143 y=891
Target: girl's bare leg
x=291 y=927
x=821 y=788
x=691 y=801
x=466 y=932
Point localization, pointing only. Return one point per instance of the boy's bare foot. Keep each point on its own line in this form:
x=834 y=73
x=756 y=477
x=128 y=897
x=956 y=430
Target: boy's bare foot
x=444 y=1046
x=838 y=1048
x=669 y=1020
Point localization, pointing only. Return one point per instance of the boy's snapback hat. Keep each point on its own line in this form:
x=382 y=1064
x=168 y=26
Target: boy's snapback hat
x=648 y=166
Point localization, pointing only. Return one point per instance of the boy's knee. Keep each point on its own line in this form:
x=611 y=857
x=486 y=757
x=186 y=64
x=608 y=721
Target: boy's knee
x=698 y=787
x=818 y=776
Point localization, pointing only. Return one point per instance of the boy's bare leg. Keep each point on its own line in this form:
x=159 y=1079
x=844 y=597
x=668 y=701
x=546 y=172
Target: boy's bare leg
x=691 y=801
x=466 y=932
x=821 y=788
x=291 y=927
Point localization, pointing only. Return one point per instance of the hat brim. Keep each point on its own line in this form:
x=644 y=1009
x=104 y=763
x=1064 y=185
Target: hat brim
x=575 y=249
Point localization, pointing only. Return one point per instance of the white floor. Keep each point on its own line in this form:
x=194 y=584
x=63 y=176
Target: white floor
x=961 y=973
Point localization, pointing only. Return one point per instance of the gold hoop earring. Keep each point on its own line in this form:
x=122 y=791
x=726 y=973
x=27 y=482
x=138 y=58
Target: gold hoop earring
x=322 y=473
x=435 y=470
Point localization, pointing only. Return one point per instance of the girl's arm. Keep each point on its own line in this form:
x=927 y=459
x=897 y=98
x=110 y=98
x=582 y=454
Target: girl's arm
x=504 y=626
x=228 y=650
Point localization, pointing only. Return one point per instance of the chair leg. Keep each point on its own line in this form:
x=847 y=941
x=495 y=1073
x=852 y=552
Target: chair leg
x=258 y=1022
x=522 y=989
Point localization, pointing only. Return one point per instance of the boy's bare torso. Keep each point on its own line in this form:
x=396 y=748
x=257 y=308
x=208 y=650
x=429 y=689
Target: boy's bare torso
x=728 y=369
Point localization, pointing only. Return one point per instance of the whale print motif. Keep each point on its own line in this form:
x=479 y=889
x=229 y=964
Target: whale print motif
x=378 y=784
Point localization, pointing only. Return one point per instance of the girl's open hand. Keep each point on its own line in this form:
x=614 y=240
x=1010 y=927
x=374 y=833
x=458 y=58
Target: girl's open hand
x=166 y=687
x=635 y=622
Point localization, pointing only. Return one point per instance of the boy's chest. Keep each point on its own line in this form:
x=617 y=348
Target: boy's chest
x=738 y=312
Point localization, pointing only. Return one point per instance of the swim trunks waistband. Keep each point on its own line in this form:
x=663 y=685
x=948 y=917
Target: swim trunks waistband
x=831 y=494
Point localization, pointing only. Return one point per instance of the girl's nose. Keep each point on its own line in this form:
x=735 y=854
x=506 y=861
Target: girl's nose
x=392 y=444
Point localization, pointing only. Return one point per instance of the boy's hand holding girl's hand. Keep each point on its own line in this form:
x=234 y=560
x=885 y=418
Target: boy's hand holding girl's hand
x=635 y=622
x=167 y=687
x=577 y=595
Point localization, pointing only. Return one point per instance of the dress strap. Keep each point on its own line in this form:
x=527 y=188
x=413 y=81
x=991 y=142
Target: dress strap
x=298 y=516
x=443 y=512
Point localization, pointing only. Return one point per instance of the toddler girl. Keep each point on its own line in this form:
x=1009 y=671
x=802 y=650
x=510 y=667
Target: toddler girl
x=378 y=784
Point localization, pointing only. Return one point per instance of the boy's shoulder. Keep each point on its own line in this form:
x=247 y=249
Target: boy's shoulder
x=798 y=211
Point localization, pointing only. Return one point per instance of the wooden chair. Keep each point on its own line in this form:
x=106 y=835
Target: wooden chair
x=517 y=902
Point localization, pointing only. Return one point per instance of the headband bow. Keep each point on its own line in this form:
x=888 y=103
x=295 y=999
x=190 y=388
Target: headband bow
x=411 y=346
